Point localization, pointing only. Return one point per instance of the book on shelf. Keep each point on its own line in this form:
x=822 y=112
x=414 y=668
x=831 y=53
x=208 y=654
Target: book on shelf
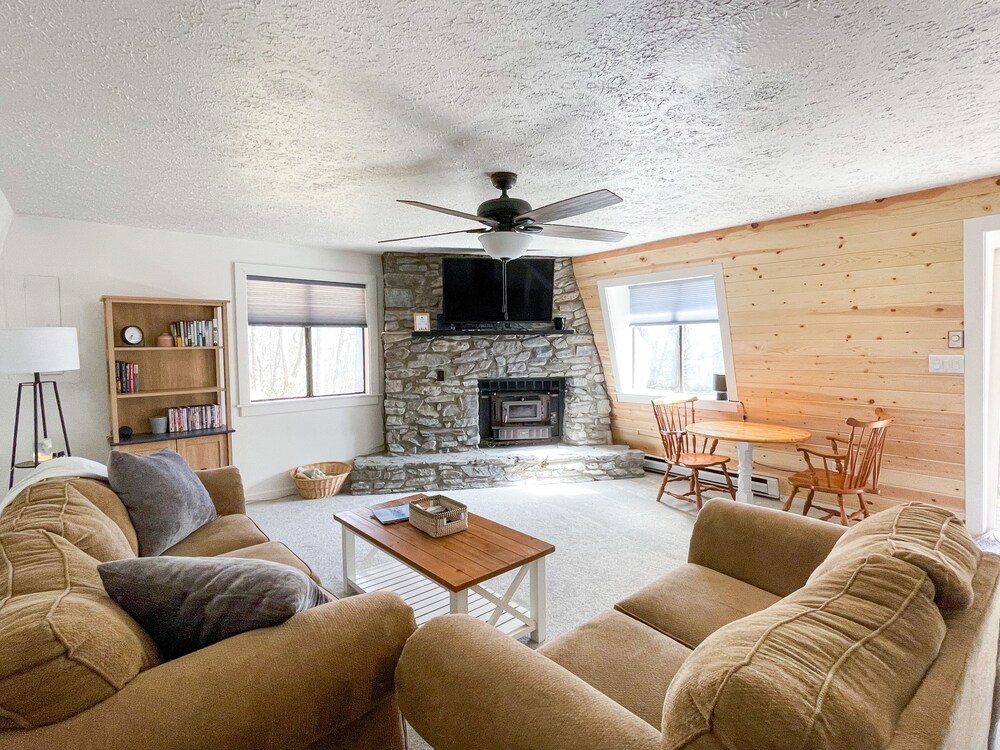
x=193 y=333
x=188 y=418
x=126 y=377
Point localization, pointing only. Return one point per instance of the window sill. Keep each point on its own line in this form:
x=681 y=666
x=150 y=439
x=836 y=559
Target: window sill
x=703 y=404
x=287 y=406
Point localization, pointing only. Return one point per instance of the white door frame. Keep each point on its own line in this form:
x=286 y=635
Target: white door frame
x=982 y=381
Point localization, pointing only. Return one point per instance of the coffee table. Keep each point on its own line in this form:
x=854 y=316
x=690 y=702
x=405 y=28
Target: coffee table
x=445 y=575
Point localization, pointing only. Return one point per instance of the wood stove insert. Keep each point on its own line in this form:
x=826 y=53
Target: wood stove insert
x=515 y=411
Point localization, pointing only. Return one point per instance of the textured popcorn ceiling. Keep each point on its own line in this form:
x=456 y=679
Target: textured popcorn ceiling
x=303 y=120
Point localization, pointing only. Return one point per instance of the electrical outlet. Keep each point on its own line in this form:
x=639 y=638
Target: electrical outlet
x=946 y=364
x=956 y=339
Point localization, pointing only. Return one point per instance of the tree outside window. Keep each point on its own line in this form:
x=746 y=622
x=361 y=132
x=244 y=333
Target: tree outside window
x=677 y=358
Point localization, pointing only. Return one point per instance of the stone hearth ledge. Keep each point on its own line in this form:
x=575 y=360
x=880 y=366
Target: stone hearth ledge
x=493 y=467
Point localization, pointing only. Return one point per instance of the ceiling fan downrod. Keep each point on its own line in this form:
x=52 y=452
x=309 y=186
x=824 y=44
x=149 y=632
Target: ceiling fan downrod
x=503 y=275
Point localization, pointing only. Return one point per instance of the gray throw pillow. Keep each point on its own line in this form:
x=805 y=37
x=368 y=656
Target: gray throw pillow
x=187 y=603
x=165 y=500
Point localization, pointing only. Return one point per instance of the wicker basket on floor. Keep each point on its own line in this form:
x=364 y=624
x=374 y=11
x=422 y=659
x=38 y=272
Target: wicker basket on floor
x=313 y=489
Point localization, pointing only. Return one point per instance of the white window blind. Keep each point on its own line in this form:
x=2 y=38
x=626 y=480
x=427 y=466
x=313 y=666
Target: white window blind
x=673 y=302
x=273 y=301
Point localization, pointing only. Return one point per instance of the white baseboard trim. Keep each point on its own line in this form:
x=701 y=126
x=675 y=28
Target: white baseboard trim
x=762 y=485
x=259 y=497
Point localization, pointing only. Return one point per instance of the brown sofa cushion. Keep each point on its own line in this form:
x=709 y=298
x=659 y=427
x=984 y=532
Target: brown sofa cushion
x=187 y=603
x=629 y=662
x=275 y=552
x=224 y=534
x=37 y=560
x=691 y=602
x=60 y=507
x=64 y=645
x=106 y=501
x=932 y=538
x=164 y=497
x=831 y=666
x=952 y=707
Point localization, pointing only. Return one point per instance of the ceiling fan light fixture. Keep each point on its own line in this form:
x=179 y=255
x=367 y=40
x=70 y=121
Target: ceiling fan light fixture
x=504 y=245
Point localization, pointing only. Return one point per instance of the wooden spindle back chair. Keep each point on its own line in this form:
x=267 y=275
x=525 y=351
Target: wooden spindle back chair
x=851 y=468
x=681 y=448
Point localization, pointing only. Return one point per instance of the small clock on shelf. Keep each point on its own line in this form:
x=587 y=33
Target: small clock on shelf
x=132 y=335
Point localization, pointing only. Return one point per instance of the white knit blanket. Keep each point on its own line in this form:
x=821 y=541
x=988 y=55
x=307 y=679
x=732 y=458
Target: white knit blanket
x=67 y=466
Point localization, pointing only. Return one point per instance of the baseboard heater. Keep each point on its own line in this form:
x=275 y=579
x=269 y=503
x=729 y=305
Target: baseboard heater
x=761 y=485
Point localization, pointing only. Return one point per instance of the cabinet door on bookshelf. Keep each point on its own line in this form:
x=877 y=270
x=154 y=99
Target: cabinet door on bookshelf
x=209 y=452
x=147 y=448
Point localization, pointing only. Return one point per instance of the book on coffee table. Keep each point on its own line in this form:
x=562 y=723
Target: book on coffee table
x=397 y=514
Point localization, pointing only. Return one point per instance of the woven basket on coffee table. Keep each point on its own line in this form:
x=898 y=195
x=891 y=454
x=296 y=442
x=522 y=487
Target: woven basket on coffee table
x=454 y=518
x=313 y=489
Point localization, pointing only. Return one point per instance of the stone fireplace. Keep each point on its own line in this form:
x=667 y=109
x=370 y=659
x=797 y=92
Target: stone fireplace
x=432 y=383
x=436 y=427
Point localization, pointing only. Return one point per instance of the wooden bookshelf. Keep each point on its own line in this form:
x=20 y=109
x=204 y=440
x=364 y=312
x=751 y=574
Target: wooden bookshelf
x=169 y=377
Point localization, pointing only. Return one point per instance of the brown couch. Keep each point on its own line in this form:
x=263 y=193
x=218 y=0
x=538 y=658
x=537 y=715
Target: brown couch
x=77 y=672
x=738 y=648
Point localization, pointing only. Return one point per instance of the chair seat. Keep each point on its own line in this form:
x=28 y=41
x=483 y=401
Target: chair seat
x=823 y=481
x=700 y=460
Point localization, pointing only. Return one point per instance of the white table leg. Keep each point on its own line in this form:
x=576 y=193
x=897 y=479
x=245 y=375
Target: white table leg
x=744 y=451
x=459 y=602
x=537 y=595
x=347 y=539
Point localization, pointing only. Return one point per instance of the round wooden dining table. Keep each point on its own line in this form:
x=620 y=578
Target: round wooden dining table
x=746 y=435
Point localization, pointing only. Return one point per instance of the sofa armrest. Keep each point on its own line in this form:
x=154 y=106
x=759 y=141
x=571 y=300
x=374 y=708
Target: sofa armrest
x=766 y=548
x=463 y=685
x=275 y=688
x=225 y=487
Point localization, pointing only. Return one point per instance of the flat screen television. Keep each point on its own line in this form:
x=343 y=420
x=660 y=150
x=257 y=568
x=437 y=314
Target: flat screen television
x=473 y=290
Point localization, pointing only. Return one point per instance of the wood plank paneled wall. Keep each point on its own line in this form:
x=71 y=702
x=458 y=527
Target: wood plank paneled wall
x=832 y=314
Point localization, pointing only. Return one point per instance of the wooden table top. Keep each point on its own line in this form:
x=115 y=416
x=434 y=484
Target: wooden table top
x=463 y=559
x=749 y=432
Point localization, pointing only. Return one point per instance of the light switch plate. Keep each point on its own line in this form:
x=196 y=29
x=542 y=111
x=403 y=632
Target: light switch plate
x=956 y=339
x=946 y=364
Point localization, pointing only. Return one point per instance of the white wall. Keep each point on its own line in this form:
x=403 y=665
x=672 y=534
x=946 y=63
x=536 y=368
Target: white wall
x=92 y=260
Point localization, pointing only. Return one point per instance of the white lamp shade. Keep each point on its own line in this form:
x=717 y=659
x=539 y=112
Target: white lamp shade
x=505 y=245
x=43 y=349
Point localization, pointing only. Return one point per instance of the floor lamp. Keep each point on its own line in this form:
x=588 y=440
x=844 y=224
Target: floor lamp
x=37 y=350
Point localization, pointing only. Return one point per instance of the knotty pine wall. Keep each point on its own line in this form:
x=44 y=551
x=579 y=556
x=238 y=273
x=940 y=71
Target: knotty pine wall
x=832 y=313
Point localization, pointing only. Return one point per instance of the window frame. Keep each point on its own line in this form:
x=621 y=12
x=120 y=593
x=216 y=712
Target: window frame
x=373 y=367
x=613 y=294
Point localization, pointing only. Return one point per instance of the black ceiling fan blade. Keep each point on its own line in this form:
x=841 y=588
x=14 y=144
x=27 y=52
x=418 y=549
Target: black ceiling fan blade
x=580 y=233
x=436 y=234
x=579 y=204
x=452 y=212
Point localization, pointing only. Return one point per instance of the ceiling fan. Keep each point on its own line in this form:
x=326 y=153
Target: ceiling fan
x=511 y=222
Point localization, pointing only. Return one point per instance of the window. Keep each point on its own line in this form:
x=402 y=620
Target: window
x=676 y=343
x=668 y=333
x=306 y=338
